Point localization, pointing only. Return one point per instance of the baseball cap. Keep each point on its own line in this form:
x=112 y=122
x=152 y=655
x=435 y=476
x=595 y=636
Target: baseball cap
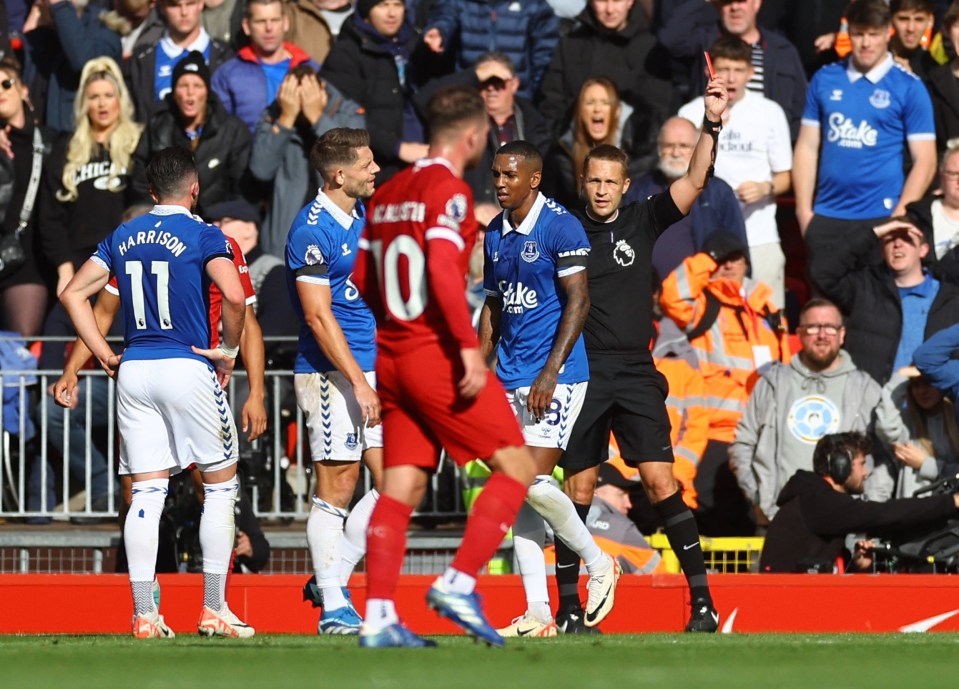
x=611 y=476
x=238 y=209
x=721 y=245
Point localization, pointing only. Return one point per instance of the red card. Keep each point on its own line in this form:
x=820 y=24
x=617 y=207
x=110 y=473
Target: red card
x=709 y=65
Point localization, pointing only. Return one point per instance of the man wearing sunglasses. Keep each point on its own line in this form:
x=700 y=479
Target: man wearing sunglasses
x=793 y=405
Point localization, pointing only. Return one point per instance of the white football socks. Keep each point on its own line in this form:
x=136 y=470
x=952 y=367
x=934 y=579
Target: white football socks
x=217 y=534
x=353 y=545
x=558 y=510
x=141 y=533
x=529 y=534
x=324 y=535
x=380 y=613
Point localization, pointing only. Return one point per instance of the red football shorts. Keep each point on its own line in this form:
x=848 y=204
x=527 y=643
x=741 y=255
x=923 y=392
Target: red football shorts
x=422 y=412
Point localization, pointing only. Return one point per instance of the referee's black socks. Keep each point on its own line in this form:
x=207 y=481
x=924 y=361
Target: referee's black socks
x=567 y=568
x=683 y=535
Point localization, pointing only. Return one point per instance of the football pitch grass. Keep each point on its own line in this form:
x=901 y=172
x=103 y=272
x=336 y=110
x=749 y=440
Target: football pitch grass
x=736 y=661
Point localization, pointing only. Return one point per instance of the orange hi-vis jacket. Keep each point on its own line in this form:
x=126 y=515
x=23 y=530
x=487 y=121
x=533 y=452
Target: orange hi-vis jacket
x=747 y=334
x=688 y=420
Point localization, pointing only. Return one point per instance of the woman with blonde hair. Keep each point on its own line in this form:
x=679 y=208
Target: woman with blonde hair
x=86 y=185
x=919 y=426
x=600 y=117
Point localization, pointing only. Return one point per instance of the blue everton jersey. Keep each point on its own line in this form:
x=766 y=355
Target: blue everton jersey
x=159 y=261
x=865 y=121
x=321 y=248
x=523 y=266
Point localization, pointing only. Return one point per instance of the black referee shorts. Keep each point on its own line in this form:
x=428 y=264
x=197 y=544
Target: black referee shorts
x=627 y=397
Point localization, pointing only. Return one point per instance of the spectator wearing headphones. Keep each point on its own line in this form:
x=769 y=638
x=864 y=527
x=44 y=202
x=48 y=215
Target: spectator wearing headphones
x=817 y=509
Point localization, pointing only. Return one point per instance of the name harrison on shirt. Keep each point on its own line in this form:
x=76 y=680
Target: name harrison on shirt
x=165 y=239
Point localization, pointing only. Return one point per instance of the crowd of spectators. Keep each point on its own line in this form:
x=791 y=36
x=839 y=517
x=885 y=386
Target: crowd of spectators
x=839 y=111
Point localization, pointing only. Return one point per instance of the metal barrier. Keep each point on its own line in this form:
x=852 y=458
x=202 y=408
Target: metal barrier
x=277 y=468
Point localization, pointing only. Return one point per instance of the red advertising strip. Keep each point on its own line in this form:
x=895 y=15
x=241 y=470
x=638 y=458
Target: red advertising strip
x=101 y=604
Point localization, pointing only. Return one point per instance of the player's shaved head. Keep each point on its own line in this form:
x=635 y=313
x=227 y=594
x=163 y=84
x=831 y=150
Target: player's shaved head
x=525 y=151
x=337 y=148
x=170 y=173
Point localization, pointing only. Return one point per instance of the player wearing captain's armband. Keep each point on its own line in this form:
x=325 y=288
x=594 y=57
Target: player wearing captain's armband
x=536 y=303
x=333 y=374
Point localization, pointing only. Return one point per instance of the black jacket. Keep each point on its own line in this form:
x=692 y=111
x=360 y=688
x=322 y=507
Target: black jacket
x=693 y=27
x=140 y=69
x=221 y=155
x=869 y=298
x=364 y=70
x=943 y=89
x=590 y=50
x=813 y=520
x=946 y=267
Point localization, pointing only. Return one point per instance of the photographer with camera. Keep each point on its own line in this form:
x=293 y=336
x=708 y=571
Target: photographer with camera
x=818 y=509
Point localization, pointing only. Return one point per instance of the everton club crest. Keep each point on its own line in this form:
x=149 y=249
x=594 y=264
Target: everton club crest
x=530 y=251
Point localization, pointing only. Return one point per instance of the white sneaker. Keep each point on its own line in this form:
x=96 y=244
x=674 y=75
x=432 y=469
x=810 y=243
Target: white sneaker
x=151 y=626
x=223 y=623
x=601 y=590
x=526 y=625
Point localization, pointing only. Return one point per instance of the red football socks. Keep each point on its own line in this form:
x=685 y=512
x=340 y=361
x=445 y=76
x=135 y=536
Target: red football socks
x=493 y=514
x=386 y=546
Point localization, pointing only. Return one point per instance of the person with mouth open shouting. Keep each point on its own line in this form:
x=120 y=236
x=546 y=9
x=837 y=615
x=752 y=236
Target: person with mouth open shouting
x=192 y=117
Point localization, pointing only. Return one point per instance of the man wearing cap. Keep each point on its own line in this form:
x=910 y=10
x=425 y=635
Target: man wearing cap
x=193 y=118
x=148 y=72
x=793 y=405
x=736 y=331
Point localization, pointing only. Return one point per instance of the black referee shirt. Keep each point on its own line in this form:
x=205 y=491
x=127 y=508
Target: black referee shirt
x=620 y=277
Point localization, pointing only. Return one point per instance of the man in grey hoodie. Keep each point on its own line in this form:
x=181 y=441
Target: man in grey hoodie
x=793 y=405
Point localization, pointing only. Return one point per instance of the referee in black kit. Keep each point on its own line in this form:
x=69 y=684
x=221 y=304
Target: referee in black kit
x=626 y=394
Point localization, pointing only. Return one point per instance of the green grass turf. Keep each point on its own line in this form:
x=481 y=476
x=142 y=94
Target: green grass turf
x=913 y=661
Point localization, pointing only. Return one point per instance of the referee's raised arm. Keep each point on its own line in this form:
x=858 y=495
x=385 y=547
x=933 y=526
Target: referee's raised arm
x=685 y=190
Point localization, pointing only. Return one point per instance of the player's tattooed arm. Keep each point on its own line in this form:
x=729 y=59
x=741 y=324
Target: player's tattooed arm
x=489 y=327
x=570 y=327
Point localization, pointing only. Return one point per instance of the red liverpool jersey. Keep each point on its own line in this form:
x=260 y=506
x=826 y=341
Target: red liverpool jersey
x=414 y=256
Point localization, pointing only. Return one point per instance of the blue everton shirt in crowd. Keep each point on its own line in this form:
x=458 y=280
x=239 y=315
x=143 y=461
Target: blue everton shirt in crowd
x=159 y=260
x=865 y=121
x=321 y=248
x=523 y=266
